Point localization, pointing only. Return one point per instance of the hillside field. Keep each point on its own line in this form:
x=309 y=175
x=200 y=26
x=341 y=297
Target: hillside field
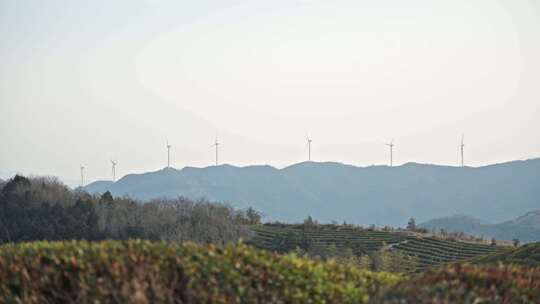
x=527 y=255
x=427 y=251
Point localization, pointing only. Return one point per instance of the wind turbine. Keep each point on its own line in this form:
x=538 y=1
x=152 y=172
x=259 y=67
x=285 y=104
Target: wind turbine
x=168 y=154
x=391 y=145
x=216 y=144
x=82 y=175
x=113 y=170
x=309 y=140
x=462 y=146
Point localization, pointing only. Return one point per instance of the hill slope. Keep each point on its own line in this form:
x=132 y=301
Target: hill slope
x=366 y=195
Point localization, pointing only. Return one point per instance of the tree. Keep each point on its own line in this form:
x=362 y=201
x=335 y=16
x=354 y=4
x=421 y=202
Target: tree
x=106 y=197
x=516 y=242
x=253 y=216
x=15 y=187
x=397 y=261
x=411 y=225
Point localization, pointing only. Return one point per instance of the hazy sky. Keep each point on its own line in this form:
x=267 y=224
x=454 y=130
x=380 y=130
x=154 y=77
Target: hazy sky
x=87 y=81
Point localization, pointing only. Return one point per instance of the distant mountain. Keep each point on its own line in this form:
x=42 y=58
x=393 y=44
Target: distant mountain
x=97 y=187
x=329 y=191
x=457 y=223
x=530 y=219
x=525 y=228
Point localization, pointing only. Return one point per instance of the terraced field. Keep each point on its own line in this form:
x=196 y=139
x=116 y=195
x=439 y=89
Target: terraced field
x=427 y=251
x=527 y=255
x=432 y=252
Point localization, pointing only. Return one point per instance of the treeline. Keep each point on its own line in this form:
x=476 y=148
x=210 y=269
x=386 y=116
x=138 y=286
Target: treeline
x=43 y=208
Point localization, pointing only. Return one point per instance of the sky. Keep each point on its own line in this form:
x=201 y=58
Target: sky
x=84 y=82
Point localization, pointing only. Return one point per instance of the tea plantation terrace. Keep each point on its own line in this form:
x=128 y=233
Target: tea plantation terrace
x=428 y=251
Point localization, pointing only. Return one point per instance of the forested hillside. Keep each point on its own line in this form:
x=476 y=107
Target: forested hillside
x=45 y=209
x=379 y=195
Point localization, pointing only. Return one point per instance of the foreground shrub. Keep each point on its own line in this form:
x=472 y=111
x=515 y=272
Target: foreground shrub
x=469 y=284
x=146 y=272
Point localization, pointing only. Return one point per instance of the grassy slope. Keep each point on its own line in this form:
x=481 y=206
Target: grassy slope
x=428 y=251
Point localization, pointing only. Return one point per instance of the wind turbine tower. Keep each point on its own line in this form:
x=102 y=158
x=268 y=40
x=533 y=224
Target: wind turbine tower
x=113 y=170
x=391 y=145
x=168 y=155
x=216 y=144
x=82 y=175
x=309 y=140
x=462 y=146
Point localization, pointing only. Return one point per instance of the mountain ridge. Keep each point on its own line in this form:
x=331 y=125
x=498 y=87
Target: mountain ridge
x=329 y=191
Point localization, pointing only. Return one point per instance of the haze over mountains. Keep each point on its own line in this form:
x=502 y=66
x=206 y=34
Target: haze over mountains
x=329 y=191
x=526 y=228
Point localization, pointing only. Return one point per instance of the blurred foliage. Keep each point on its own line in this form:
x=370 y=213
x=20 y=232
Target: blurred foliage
x=465 y=283
x=138 y=271
x=159 y=272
